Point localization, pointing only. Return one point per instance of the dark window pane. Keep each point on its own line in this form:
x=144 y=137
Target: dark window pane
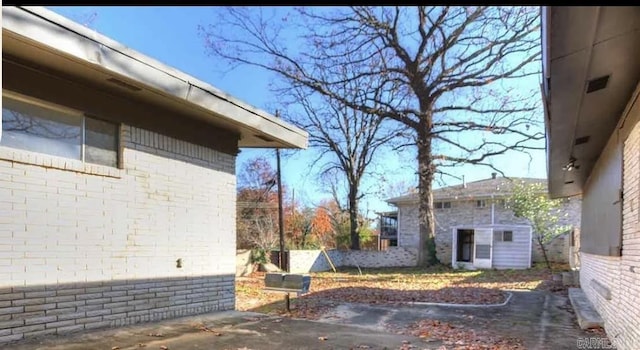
x=39 y=129
x=101 y=142
x=508 y=236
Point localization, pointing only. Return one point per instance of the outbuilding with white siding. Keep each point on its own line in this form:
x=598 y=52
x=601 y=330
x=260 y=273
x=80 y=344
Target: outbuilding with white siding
x=492 y=246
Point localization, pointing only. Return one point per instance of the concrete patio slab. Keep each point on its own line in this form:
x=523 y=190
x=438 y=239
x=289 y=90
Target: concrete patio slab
x=541 y=320
x=229 y=330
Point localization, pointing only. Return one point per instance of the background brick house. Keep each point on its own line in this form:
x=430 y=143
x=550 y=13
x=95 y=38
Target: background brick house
x=461 y=209
x=117 y=182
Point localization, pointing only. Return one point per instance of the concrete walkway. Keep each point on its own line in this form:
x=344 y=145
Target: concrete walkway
x=229 y=330
x=541 y=320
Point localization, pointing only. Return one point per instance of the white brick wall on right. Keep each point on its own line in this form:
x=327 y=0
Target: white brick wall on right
x=621 y=275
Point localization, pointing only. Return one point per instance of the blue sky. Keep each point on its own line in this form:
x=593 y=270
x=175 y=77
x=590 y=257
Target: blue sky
x=170 y=35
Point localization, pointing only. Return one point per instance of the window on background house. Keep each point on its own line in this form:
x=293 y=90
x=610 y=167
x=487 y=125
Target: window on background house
x=42 y=127
x=442 y=205
x=481 y=203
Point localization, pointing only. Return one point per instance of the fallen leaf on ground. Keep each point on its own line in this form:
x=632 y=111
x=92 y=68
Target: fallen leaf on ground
x=159 y=335
x=162 y=347
x=323 y=338
x=115 y=348
x=458 y=337
x=140 y=345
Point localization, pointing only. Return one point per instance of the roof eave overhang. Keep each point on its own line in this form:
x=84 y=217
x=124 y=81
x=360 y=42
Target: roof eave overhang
x=47 y=30
x=579 y=45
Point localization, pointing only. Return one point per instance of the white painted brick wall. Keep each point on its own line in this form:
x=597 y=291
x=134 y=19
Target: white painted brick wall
x=301 y=261
x=621 y=275
x=64 y=222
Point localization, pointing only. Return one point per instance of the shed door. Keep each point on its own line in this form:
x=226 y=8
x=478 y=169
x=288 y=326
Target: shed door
x=482 y=249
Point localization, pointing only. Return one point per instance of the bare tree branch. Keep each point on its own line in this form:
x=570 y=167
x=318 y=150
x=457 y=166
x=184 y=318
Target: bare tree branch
x=439 y=72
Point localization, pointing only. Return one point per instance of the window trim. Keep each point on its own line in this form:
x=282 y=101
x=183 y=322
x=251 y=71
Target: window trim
x=41 y=103
x=17 y=154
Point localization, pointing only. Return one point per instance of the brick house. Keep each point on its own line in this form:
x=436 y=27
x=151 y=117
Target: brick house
x=591 y=65
x=117 y=182
x=474 y=229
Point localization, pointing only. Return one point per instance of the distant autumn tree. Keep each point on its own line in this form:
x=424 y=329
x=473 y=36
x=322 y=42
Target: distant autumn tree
x=257 y=202
x=453 y=73
x=531 y=202
x=323 y=228
x=346 y=139
x=337 y=233
x=298 y=228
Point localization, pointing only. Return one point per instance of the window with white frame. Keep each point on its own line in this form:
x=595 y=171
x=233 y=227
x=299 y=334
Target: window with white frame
x=503 y=236
x=481 y=203
x=42 y=127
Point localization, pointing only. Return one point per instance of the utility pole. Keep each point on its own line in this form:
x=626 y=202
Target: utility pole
x=280 y=208
x=287 y=301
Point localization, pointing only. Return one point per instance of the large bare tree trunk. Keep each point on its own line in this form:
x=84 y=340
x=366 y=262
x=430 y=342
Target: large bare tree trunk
x=426 y=171
x=353 y=218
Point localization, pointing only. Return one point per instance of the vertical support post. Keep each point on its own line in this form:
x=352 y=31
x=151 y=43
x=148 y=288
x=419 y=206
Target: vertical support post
x=287 y=302
x=280 y=208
